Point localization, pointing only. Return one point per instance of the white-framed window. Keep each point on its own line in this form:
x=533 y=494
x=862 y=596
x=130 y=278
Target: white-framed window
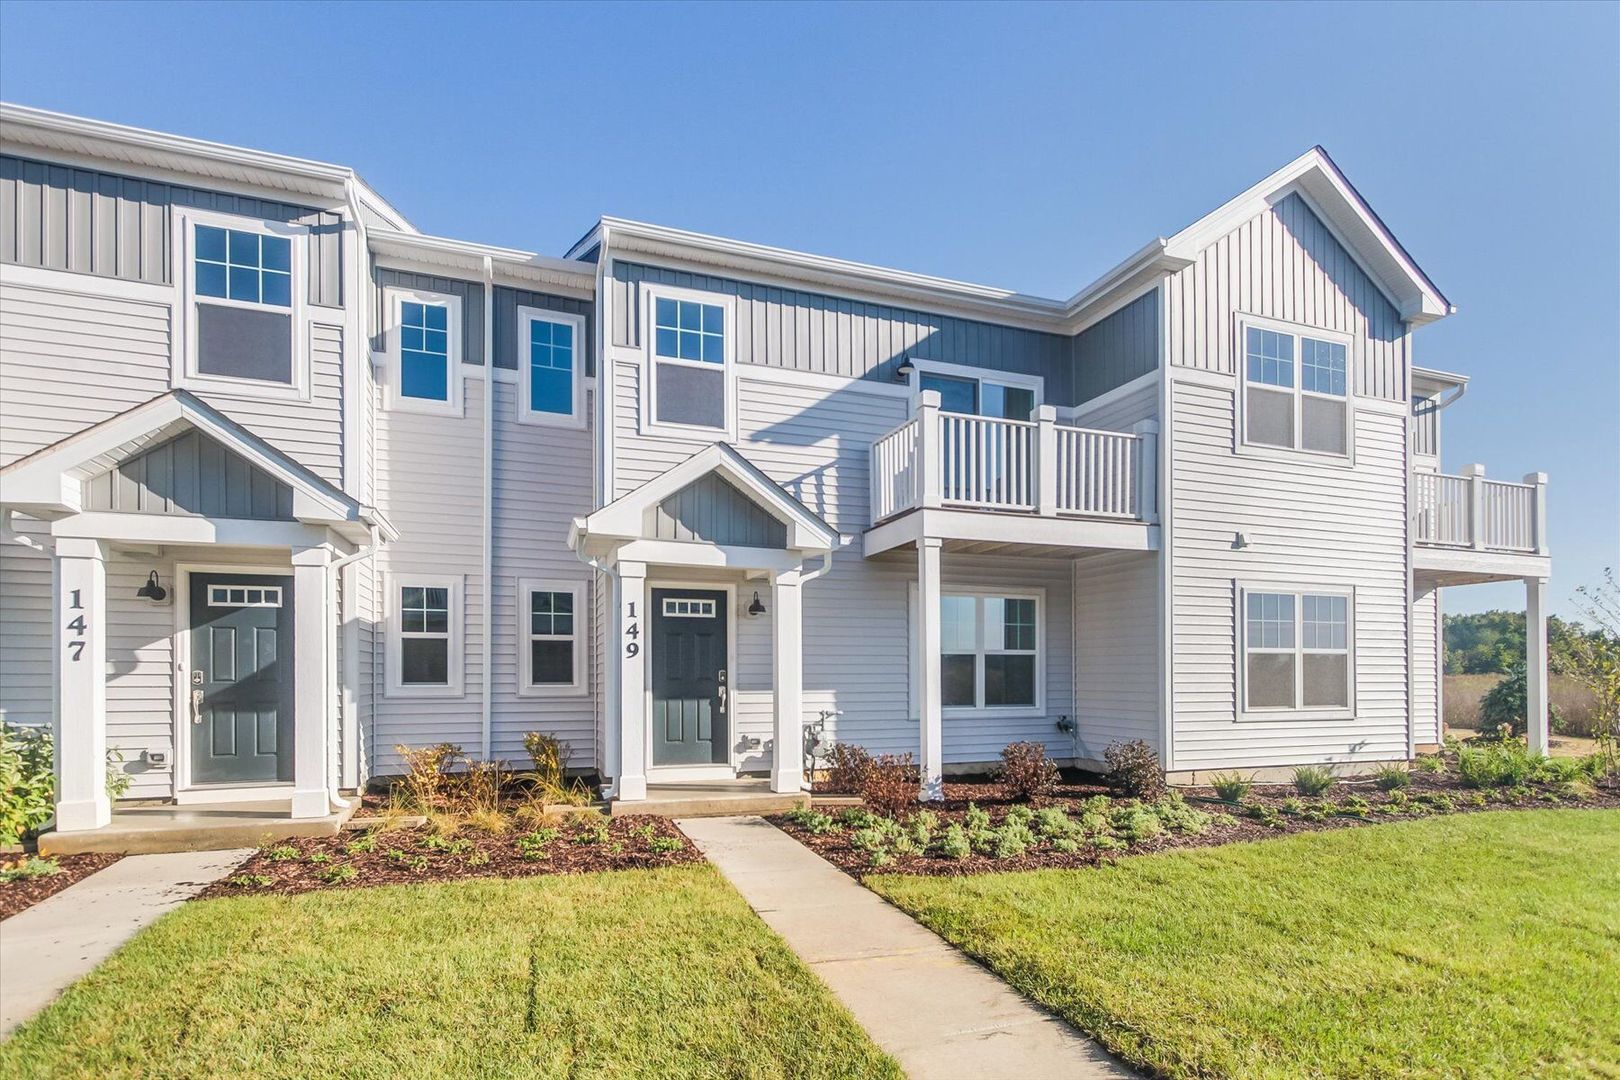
x=425 y=636
x=551 y=367
x=991 y=652
x=1298 y=652
x=688 y=608
x=244 y=596
x=1296 y=387
x=690 y=341
x=977 y=392
x=552 y=635
x=241 y=315
x=423 y=338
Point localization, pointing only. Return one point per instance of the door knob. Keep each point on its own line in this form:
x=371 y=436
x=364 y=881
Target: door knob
x=196 y=706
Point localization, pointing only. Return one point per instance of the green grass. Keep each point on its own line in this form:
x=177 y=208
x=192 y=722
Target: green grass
x=1481 y=945
x=641 y=973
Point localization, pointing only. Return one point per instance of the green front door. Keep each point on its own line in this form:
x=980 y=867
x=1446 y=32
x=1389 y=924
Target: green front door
x=240 y=687
x=689 y=680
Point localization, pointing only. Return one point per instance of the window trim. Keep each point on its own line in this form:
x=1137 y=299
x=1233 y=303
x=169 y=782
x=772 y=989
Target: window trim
x=1014 y=379
x=1298 y=590
x=979 y=709
x=526 y=413
x=184 y=370
x=527 y=687
x=1240 y=363
x=395 y=296
x=455 y=666
x=650 y=425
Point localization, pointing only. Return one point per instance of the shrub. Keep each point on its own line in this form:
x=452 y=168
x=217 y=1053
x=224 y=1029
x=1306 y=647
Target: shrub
x=1054 y=823
x=1026 y=772
x=1133 y=769
x=977 y=824
x=1174 y=814
x=590 y=829
x=1136 y=823
x=362 y=844
x=424 y=772
x=532 y=846
x=282 y=853
x=492 y=822
x=318 y=858
x=249 y=881
x=31 y=867
x=1430 y=763
x=478 y=790
x=1292 y=805
x=1312 y=780
x=1231 y=786
x=811 y=821
x=920 y=827
x=847 y=765
x=872 y=838
x=1502 y=710
x=1013 y=839
x=857 y=817
x=1068 y=845
x=954 y=844
x=339 y=875
x=549 y=756
x=1267 y=816
x=1495 y=765
x=664 y=845
x=27 y=782
x=891 y=785
x=1023 y=815
x=1356 y=806
x=1391 y=778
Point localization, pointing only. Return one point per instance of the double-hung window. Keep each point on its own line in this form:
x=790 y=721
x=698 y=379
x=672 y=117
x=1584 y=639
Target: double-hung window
x=1296 y=388
x=551 y=625
x=424 y=351
x=243 y=305
x=690 y=343
x=425 y=646
x=990 y=652
x=1296 y=651
x=551 y=350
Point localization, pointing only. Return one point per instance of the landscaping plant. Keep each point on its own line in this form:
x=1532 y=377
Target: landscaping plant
x=847 y=766
x=1026 y=772
x=890 y=785
x=1134 y=770
x=425 y=769
x=29 y=867
x=1502 y=710
x=1231 y=786
x=1593 y=660
x=1312 y=780
x=1391 y=778
x=27 y=783
x=1495 y=765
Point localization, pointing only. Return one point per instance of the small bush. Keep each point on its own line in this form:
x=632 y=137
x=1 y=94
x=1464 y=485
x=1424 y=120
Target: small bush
x=282 y=853
x=664 y=845
x=1068 y=845
x=1054 y=823
x=1267 y=816
x=338 y=875
x=857 y=817
x=250 y=881
x=478 y=789
x=1292 y=805
x=891 y=785
x=590 y=830
x=954 y=843
x=492 y=822
x=1012 y=840
x=1133 y=769
x=318 y=858
x=872 y=838
x=1178 y=817
x=1026 y=772
x=27 y=782
x=32 y=867
x=532 y=846
x=811 y=821
x=1495 y=765
x=977 y=824
x=1137 y=823
x=1022 y=815
x=1312 y=780
x=1430 y=763
x=362 y=844
x=920 y=828
x=1231 y=786
x=1356 y=806
x=425 y=769
x=847 y=765
x=1502 y=710
x=1391 y=778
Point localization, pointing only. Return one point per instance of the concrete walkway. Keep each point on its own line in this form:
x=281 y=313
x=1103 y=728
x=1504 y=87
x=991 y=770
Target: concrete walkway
x=936 y=1012
x=48 y=946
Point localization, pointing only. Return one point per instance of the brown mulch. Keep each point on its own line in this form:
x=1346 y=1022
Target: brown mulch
x=1232 y=824
x=24 y=893
x=419 y=855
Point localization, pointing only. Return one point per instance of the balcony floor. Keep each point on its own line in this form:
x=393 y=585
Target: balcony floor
x=1437 y=565
x=985 y=531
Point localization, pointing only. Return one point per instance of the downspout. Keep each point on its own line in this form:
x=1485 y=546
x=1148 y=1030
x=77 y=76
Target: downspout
x=487 y=615
x=609 y=571
x=332 y=587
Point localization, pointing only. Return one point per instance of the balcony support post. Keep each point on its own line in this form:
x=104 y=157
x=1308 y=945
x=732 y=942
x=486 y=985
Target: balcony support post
x=1535 y=663
x=930 y=460
x=930 y=721
x=1147 y=470
x=1538 y=510
x=1476 y=505
x=1046 y=461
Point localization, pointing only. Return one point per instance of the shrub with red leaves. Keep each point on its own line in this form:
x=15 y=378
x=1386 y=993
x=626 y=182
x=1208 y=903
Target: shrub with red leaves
x=1026 y=772
x=891 y=785
x=847 y=766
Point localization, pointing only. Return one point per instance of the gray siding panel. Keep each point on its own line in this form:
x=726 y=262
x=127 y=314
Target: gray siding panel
x=1116 y=350
x=507 y=342
x=714 y=511
x=87 y=222
x=190 y=474
x=805 y=331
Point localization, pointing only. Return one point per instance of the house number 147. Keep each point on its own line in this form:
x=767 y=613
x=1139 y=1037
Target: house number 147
x=78 y=626
x=632 y=631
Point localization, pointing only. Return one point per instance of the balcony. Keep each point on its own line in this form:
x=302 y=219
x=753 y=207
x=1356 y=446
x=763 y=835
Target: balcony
x=1467 y=528
x=982 y=483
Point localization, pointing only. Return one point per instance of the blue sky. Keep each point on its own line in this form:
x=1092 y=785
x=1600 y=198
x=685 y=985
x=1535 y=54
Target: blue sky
x=1028 y=147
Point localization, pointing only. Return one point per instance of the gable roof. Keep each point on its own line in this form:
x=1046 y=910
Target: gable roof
x=625 y=518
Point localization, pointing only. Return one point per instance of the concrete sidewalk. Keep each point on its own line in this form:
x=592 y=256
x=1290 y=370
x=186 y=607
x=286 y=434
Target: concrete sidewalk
x=48 y=946
x=936 y=1012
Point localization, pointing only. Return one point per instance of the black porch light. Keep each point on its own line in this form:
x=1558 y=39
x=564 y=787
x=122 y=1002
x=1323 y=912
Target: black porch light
x=904 y=372
x=757 y=607
x=152 y=590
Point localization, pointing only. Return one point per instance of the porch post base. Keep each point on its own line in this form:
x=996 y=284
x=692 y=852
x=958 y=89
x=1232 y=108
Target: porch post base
x=83 y=815
x=632 y=789
x=310 y=804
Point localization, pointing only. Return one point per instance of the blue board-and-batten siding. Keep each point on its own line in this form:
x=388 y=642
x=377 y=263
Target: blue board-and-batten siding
x=57 y=217
x=190 y=474
x=807 y=331
x=471 y=293
x=1120 y=348
x=712 y=511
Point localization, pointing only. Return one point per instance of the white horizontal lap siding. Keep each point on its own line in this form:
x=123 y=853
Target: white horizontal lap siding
x=542 y=482
x=1116 y=649
x=310 y=432
x=430 y=484
x=1123 y=412
x=69 y=360
x=26 y=678
x=140 y=672
x=1306 y=523
x=753 y=708
x=1426 y=667
x=638 y=458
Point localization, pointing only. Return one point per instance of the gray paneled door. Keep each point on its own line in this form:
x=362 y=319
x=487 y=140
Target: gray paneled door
x=690 y=691
x=240 y=687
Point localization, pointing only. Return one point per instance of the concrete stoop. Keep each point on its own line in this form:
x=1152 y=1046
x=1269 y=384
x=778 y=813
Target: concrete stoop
x=152 y=830
x=698 y=800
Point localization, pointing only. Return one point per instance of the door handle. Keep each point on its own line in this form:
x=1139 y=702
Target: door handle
x=196 y=706
x=722 y=690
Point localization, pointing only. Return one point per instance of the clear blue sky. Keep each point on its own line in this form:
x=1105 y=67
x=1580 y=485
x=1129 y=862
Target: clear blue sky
x=1028 y=147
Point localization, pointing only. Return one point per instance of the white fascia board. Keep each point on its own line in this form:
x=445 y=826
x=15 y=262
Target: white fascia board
x=525 y=268
x=1438 y=378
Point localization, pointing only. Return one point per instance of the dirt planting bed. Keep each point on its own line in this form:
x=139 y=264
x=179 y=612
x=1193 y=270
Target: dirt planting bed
x=21 y=892
x=449 y=851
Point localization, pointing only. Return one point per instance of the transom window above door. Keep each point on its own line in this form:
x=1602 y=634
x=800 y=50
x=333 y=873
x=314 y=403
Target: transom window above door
x=980 y=397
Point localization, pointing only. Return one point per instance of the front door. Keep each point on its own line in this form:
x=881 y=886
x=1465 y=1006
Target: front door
x=239 y=692
x=690 y=695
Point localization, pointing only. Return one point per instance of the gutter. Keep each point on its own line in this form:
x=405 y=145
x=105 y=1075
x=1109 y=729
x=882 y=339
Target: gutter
x=333 y=585
x=486 y=711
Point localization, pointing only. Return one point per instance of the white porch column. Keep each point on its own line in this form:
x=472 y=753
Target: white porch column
x=931 y=726
x=930 y=482
x=630 y=644
x=1538 y=509
x=787 y=668
x=1476 y=504
x=1147 y=470
x=1046 y=462
x=312 y=616
x=81 y=692
x=1535 y=663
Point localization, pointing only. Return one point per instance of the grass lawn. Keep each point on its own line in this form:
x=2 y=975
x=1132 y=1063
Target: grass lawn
x=1478 y=945
x=633 y=973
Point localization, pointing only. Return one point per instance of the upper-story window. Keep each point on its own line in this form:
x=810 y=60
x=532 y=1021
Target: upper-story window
x=962 y=389
x=690 y=347
x=1296 y=392
x=242 y=307
x=424 y=351
x=550 y=367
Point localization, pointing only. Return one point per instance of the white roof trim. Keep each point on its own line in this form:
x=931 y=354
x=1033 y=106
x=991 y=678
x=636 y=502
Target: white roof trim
x=1437 y=377
x=624 y=518
x=468 y=257
x=50 y=481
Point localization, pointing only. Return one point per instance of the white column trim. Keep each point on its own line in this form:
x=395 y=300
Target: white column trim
x=787 y=651
x=628 y=595
x=311 y=695
x=1535 y=664
x=930 y=718
x=80 y=646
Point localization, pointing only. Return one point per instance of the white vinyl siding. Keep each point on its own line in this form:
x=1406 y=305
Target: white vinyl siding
x=1426 y=659
x=1116 y=650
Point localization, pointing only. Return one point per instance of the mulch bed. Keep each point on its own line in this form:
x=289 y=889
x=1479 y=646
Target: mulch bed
x=24 y=893
x=1232 y=824
x=358 y=858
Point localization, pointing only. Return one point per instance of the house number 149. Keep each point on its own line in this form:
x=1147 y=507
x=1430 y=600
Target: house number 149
x=632 y=631
x=78 y=626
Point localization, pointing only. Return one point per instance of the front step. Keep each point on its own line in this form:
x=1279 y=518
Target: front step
x=161 y=829
x=710 y=800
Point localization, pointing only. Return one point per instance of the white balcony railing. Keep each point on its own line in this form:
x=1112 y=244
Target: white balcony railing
x=1014 y=466
x=1469 y=511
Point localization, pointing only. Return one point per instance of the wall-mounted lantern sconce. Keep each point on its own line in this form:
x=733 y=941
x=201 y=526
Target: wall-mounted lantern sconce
x=757 y=607
x=152 y=590
x=904 y=372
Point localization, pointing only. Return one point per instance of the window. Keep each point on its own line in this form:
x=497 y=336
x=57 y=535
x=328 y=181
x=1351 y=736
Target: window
x=550 y=357
x=244 y=596
x=247 y=266
x=425 y=650
x=981 y=397
x=689 y=609
x=242 y=305
x=689 y=343
x=551 y=624
x=990 y=652
x=1307 y=412
x=1296 y=651
x=424 y=351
